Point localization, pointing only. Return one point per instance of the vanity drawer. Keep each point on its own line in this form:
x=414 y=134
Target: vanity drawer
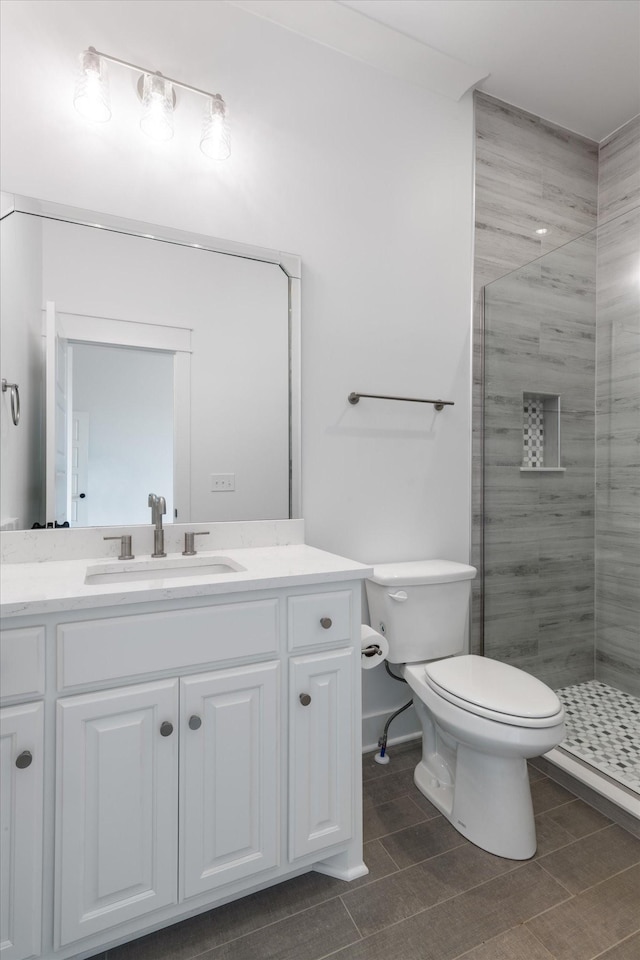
x=92 y=651
x=22 y=662
x=319 y=618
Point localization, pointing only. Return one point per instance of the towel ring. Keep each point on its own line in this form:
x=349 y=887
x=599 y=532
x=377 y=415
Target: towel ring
x=15 y=400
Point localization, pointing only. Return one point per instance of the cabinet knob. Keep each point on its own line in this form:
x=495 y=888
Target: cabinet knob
x=305 y=699
x=166 y=729
x=24 y=760
x=195 y=723
x=326 y=622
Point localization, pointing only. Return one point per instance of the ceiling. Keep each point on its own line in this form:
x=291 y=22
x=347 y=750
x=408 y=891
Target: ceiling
x=573 y=62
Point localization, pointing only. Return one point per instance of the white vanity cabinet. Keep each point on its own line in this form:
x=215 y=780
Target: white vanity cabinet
x=321 y=687
x=199 y=750
x=21 y=766
x=117 y=806
x=122 y=802
x=22 y=676
x=321 y=755
x=229 y=765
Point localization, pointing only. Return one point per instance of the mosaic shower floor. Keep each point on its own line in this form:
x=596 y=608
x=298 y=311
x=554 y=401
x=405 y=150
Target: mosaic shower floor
x=603 y=728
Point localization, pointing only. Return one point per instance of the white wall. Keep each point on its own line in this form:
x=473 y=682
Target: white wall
x=367 y=178
x=21 y=355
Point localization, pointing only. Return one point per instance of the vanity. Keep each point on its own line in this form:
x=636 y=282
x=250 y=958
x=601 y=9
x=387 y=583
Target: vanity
x=177 y=731
x=176 y=737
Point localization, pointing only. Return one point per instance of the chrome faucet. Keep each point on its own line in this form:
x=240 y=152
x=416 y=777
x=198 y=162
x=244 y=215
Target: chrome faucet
x=158 y=509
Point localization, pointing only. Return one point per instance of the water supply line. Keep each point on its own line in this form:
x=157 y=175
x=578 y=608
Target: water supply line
x=382 y=756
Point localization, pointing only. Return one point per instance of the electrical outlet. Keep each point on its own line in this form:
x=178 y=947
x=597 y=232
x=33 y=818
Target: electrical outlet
x=223 y=482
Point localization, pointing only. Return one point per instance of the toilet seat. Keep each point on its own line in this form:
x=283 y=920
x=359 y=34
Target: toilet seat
x=497 y=691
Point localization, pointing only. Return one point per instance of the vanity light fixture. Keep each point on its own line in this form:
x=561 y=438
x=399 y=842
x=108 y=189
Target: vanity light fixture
x=158 y=101
x=215 y=141
x=91 y=98
x=158 y=98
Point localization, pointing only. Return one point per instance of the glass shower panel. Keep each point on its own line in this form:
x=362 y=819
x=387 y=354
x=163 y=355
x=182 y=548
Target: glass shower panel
x=539 y=480
x=561 y=488
x=618 y=455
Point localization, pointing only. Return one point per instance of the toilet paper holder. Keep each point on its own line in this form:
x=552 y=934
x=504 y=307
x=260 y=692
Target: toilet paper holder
x=372 y=650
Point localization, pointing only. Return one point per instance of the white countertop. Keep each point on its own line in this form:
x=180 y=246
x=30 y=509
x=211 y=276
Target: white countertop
x=55 y=586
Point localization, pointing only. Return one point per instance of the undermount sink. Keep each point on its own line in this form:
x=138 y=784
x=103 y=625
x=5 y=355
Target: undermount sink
x=167 y=568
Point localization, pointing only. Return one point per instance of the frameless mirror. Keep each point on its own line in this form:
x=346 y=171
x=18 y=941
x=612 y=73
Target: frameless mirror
x=147 y=360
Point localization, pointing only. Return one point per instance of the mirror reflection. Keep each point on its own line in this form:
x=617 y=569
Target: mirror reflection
x=144 y=365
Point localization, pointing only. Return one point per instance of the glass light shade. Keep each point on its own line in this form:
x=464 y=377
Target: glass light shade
x=91 y=98
x=157 y=104
x=216 y=138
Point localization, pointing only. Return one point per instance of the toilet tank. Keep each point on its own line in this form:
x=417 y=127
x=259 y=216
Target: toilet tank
x=421 y=607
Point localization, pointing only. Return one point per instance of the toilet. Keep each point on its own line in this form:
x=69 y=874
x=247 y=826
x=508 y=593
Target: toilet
x=481 y=719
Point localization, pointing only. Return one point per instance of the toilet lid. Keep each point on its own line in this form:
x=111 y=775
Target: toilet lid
x=492 y=687
x=412 y=572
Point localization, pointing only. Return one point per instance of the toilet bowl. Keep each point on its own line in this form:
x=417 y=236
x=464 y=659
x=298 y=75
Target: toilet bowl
x=481 y=719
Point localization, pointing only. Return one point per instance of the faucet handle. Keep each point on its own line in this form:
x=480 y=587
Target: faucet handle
x=189 y=550
x=125 y=546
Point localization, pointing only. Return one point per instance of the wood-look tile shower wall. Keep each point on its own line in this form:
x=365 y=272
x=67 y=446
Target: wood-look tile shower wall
x=539 y=530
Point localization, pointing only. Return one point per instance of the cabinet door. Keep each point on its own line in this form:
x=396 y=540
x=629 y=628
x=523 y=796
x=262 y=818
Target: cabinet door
x=20 y=830
x=321 y=751
x=117 y=814
x=229 y=776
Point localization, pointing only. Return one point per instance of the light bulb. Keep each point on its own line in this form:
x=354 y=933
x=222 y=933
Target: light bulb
x=91 y=98
x=158 y=100
x=216 y=139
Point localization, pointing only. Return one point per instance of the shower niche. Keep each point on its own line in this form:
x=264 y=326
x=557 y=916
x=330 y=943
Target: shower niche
x=540 y=433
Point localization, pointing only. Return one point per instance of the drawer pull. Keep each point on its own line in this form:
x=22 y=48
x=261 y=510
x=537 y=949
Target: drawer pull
x=326 y=622
x=195 y=723
x=166 y=729
x=305 y=699
x=24 y=760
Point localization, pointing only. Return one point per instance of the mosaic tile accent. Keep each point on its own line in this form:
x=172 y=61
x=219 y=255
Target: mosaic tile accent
x=603 y=728
x=533 y=432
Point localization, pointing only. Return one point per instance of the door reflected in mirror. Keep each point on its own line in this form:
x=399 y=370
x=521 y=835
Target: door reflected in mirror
x=121 y=434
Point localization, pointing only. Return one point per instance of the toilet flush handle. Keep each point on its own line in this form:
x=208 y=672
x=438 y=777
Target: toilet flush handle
x=400 y=596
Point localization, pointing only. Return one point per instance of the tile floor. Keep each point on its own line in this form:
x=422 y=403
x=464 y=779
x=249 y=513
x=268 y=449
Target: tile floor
x=431 y=895
x=603 y=728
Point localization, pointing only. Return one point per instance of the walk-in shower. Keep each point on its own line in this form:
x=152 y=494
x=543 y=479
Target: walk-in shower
x=561 y=491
